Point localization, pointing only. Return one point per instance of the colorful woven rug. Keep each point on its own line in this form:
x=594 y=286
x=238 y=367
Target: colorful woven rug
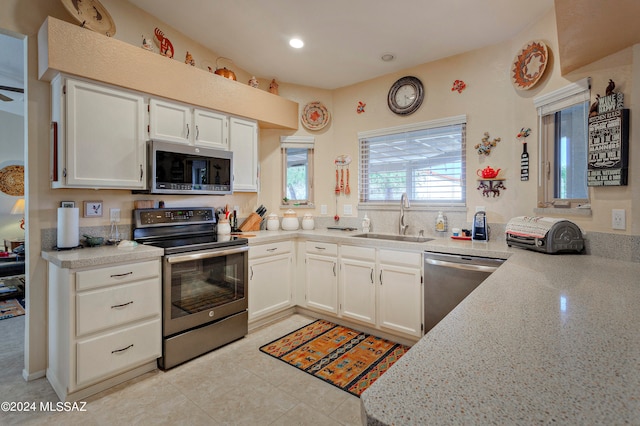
x=11 y=308
x=346 y=358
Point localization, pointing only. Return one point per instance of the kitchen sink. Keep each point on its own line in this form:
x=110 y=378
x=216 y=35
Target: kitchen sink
x=409 y=238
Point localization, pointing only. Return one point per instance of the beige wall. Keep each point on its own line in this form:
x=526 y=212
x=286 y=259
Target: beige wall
x=490 y=102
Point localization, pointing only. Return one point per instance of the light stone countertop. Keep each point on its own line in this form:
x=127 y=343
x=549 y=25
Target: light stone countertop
x=100 y=256
x=545 y=339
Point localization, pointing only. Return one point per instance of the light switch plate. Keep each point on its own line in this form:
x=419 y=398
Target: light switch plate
x=323 y=209
x=348 y=210
x=618 y=219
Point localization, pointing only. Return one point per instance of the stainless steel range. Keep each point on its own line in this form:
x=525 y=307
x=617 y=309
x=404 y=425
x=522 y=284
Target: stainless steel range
x=205 y=276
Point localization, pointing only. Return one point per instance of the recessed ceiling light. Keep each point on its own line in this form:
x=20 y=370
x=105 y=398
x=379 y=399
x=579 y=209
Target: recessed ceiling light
x=387 y=57
x=296 y=43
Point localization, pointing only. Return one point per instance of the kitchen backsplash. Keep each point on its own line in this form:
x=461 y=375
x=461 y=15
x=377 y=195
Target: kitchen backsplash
x=613 y=246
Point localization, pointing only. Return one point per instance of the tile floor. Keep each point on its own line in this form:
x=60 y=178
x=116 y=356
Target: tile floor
x=234 y=385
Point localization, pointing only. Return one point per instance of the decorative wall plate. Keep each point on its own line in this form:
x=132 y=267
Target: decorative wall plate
x=529 y=65
x=91 y=14
x=12 y=180
x=315 y=116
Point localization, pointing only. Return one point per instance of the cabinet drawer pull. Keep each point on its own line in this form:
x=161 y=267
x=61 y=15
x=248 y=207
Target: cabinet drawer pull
x=121 y=305
x=272 y=249
x=122 y=350
x=197 y=132
x=187 y=130
x=371 y=275
x=141 y=173
x=121 y=275
x=321 y=248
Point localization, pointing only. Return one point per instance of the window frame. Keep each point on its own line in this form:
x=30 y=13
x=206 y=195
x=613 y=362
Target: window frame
x=548 y=106
x=398 y=130
x=298 y=142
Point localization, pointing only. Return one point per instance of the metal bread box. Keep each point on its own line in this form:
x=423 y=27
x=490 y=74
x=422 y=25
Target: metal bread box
x=545 y=235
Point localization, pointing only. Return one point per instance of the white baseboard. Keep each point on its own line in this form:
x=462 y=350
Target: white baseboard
x=33 y=376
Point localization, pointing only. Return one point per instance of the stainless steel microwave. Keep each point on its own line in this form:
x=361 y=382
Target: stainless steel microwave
x=186 y=169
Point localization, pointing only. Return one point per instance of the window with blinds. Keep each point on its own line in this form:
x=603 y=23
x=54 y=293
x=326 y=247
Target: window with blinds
x=425 y=160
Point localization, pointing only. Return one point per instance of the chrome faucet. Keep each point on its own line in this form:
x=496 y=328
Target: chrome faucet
x=404 y=204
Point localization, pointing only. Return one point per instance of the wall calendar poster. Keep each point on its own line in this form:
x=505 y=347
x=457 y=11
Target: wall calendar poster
x=609 y=143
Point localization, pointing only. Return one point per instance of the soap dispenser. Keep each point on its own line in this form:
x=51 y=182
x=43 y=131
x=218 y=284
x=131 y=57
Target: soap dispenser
x=366 y=223
x=441 y=223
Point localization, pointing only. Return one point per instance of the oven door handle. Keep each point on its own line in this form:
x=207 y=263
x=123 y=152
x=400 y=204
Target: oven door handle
x=178 y=258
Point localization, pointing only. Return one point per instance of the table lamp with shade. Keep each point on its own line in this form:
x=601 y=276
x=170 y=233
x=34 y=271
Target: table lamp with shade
x=18 y=208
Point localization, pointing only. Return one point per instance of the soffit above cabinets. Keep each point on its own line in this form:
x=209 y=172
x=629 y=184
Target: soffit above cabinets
x=589 y=30
x=70 y=49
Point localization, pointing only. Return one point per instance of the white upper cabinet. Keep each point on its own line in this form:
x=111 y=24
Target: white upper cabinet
x=169 y=121
x=243 y=141
x=98 y=138
x=180 y=123
x=210 y=129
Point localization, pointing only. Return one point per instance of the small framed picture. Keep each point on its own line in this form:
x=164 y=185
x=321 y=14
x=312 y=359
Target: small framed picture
x=67 y=204
x=92 y=208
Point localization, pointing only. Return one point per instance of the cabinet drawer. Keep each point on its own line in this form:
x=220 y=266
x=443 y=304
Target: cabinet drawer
x=365 y=253
x=270 y=249
x=401 y=257
x=117 y=351
x=101 y=277
x=111 y=306
x=321 y=248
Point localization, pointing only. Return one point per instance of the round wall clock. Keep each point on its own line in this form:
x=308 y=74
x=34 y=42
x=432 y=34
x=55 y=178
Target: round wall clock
x=91 y=14
x=405 y=95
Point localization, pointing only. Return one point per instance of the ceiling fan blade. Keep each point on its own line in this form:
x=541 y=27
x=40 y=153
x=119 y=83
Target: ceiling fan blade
x=12 y=89
x=5 y=98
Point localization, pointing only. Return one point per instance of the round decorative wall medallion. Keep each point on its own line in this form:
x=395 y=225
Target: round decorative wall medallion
x=315 y=116
x=12 y=180
x=529 y=65
x=91 y=14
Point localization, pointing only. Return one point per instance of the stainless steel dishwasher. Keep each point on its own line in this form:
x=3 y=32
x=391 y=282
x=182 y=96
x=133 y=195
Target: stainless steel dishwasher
x=449 y=278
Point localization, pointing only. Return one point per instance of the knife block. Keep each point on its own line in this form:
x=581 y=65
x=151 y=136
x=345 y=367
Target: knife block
x=252 y=223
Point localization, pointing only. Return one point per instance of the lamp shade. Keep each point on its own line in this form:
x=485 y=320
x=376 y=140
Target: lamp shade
x=18 y=207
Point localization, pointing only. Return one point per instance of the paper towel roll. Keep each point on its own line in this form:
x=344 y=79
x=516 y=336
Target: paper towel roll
x=68 y=228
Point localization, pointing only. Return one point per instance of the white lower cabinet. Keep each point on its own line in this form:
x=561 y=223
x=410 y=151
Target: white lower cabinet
x=400 y=292
x=270 y=279
x=376 y=287
x=104 y=326
x=358 y=283
x=321 y=276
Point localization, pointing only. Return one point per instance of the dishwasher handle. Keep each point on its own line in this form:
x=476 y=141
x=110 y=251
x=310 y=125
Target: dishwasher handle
x=464 y=266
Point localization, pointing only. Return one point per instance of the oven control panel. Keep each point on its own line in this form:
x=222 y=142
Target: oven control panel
x=173 y=216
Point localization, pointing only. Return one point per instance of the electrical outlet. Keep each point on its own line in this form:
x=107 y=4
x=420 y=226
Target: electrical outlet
x=348 y=210
x=114 y=215
x=618 y=220
x=323 y=209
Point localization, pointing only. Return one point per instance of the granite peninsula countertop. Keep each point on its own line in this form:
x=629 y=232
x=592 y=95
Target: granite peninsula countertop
x=545 y=339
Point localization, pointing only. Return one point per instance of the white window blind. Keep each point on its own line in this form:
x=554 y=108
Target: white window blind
x=425 y=160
